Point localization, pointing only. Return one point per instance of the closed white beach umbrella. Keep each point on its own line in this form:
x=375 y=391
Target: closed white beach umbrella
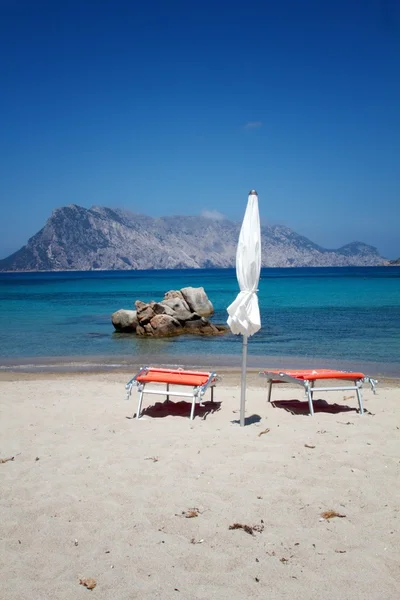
x=244 y=313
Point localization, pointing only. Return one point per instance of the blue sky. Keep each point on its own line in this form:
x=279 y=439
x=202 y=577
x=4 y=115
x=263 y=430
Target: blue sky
x=178 y=108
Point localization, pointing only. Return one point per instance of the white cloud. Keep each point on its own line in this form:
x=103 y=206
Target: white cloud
x=253 y=125
x=214 y=215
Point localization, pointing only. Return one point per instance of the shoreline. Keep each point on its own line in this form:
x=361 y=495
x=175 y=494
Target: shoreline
x=122 y=371
x=229 y=378
x=227 y=363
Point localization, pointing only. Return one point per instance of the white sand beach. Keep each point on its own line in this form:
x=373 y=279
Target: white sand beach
x=92 y=493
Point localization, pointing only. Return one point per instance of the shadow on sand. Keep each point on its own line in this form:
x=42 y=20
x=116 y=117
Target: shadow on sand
x=180 y=409
x=248 y=420
x=300 y=407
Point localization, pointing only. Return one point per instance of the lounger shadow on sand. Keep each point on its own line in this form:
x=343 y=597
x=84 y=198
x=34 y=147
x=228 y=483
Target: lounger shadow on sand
x=179 y=409
x=299 y=407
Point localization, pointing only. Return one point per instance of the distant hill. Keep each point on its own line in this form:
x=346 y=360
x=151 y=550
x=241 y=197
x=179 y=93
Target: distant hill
x=76 y=238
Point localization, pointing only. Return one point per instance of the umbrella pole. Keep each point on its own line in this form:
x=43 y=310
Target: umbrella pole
x=243 y=389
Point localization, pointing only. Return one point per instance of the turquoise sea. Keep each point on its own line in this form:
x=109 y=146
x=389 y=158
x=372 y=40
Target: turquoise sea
x=348 y=317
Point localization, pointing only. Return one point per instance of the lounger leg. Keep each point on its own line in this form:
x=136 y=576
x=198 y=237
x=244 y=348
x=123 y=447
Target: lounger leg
x=192 y=410
x=128 y=390
x=310 y=398
x=359 y=396
x=212 y=394
x=167 y=392
x=269 y=389
x=139 y=408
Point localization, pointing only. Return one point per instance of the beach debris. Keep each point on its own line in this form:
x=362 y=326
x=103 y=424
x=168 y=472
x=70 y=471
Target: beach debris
x=331 y=514
x=76 y=542
x=250 y=529
x=4 y=460
x=308 y=446
x=265 y=431
x=190 y=513
x=37 y=458
x=89 y=582
x=259 y=528
x=348 y=397
x=256 y=579
x=321 y=431
x=341 y=551
x=153 y=458
x=284 y=560
x=247 y=528
x=194 y=541
x=345 y=423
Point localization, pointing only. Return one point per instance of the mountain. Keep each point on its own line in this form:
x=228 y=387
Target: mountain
x=76 y=238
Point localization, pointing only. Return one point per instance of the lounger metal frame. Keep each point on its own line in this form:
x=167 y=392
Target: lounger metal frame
x=309 y=388
x=196 y=395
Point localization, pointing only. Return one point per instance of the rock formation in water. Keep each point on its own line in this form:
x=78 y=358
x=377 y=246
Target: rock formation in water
x=181 y=311
x=99 y=238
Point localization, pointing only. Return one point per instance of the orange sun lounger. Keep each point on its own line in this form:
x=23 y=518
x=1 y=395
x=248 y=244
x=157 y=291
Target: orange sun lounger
x=307 y=379
x=199 y=382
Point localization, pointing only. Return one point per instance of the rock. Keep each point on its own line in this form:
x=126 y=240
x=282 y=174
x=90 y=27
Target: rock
x=162 y=309
x=201 y=327
x=179 y=307
x=172 y=316
x=173 y=294
x=222 y=328
x=198 y=301
x=124 y=320
x=144 y=311
x=140 y=306
x=165 y=325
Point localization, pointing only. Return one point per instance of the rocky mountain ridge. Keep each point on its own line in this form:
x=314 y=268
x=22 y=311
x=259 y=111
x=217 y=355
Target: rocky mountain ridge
x=101 y=238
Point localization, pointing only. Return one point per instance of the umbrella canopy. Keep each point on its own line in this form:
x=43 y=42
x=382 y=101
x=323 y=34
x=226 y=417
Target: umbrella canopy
x=244 y=313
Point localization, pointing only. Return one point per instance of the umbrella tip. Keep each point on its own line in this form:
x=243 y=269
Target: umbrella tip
x=253 y=193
